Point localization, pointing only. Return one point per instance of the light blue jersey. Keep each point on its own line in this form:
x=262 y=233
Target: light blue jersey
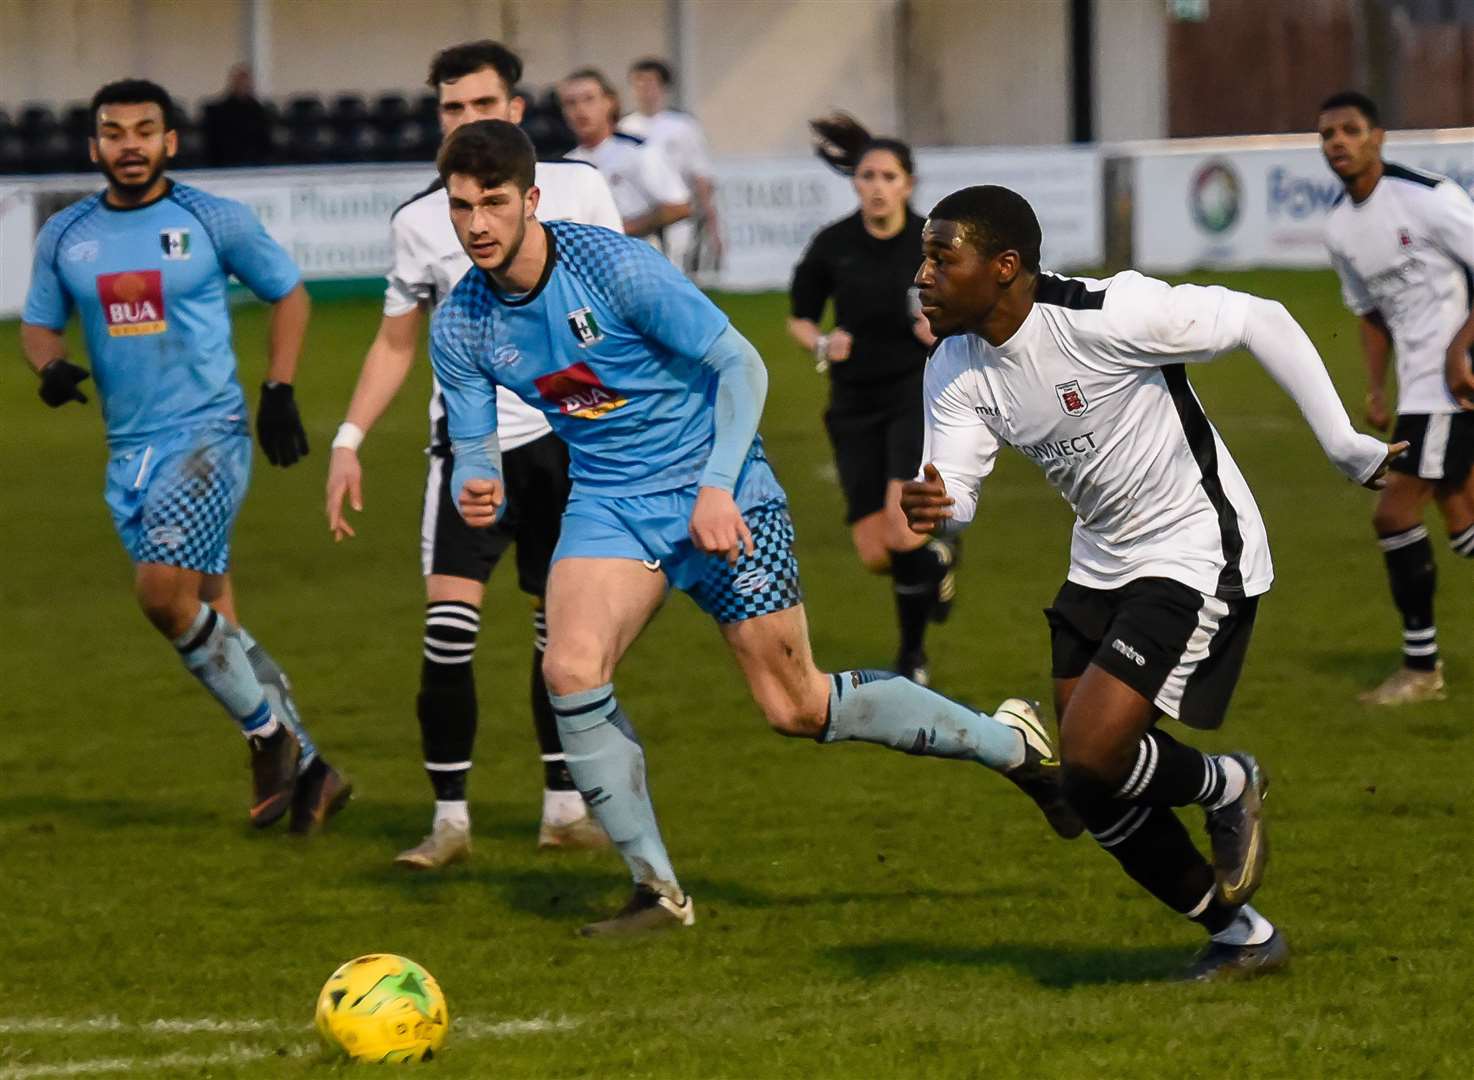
x=608 y=345
x=149 y=284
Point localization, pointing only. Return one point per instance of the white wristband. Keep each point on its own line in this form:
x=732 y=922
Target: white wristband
x=349 y=437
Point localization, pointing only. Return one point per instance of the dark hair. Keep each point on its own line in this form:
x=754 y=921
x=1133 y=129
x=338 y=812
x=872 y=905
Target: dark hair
x=655 y=66
x=994 y=219
x=1354 y=99
x=135 y=92
x=471 y=56
x=842 y=142
x=495 y=152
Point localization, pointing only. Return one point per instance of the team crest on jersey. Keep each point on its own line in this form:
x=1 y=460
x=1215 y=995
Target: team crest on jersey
x=132 y=302
x=577 y=391
x=585 y=327
x=175 y=243
x=1404 y=238
x=1071 y=398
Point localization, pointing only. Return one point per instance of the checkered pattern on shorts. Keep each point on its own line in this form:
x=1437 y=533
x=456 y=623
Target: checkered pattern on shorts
x=189 y=510
x=759 y=584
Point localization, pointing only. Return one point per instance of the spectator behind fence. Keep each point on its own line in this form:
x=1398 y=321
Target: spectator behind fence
x=237 y=126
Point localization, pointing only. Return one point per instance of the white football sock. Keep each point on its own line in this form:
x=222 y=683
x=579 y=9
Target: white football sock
x=1234 y=779
x=454 y=812
x=562 y=807
x=1248 y=928
x=266 y=730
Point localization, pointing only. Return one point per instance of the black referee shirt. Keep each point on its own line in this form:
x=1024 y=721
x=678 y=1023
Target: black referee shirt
x=868 y=280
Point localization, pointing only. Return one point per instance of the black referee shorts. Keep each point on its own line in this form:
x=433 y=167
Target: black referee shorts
x=536 y=478
x=1442 y=447
x=1181 y=650
x=874 y=443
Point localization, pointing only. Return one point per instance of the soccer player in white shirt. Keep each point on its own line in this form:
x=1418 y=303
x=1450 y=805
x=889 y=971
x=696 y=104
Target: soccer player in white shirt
x=474 y=81
x=1088 y=380
x=649 y=192
x=1402 y=242
x=695 y=243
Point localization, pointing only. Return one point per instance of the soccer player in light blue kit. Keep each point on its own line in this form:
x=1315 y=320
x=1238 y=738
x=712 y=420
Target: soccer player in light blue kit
x=145 y=264
x=658 y=398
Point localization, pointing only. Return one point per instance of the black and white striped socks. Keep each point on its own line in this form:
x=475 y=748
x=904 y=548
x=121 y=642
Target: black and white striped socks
x=1414 y=578
x=447 y=701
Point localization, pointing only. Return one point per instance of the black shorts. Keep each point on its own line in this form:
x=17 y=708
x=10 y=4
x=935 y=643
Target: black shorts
x=1181 y=650
x=874 y=445
x=1442 y=446
x=536 y=477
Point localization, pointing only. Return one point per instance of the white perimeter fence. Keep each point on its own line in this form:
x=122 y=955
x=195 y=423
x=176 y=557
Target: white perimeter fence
x=1160 y=206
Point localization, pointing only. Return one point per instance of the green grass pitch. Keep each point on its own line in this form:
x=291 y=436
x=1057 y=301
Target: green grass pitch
x=860 y=913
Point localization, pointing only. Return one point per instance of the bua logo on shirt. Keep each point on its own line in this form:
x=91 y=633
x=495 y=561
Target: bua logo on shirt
x=132 y=302
x=577 y=391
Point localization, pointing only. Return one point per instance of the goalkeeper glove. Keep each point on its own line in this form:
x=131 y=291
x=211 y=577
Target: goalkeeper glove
x=279 y=425
x=59 y=381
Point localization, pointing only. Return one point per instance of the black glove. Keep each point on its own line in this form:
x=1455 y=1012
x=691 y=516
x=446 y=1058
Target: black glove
x=59 y=381
x=279 y=425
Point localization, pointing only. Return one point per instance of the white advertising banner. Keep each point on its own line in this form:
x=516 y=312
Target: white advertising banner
x=1239 y=203
x=771 y=207
x=334 y=222
x=17 y=233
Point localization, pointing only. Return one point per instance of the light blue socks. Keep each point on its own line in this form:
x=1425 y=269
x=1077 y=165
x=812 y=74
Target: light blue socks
x=608 y=765
x=880 y=707
x=216 y=659
x=278 y=689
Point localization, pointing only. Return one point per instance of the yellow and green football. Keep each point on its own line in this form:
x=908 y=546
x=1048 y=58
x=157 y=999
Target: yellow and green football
x=383 y=1008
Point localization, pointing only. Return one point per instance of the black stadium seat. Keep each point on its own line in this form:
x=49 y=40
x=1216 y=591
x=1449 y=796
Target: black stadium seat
x=349 y=113
x=390 y=110
x=304 y=111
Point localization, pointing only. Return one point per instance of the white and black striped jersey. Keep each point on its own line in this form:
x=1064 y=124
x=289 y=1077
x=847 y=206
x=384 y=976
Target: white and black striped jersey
x=1407 y=252
x=1093 y=389
x=429 y=260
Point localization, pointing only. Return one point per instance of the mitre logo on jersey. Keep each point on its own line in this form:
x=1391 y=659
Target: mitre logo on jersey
x=584 y=326
x=175 y=243
x=132 y=302
x=1071 y=398
x=577 y=391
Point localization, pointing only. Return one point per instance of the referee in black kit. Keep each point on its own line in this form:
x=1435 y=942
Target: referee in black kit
x=874 y=357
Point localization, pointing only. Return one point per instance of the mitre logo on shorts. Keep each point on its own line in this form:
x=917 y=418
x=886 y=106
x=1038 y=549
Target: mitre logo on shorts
x=577 y=391
x=132 y=302
x=1071 y=398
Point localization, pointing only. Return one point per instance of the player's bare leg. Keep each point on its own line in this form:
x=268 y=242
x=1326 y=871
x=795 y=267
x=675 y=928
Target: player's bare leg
x=1408 y=552
x=799 y=700
x=1124 y=777
x=597 y=607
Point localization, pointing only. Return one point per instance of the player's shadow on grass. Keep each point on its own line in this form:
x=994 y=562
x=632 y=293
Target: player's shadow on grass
x=1058 y=967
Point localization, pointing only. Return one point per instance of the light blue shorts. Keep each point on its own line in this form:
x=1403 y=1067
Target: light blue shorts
x=655 y=530
x=175 y=500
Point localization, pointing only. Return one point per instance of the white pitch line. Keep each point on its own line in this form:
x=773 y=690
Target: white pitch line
x=235 y=1055
x=470 y=1028
x=57 y=1025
